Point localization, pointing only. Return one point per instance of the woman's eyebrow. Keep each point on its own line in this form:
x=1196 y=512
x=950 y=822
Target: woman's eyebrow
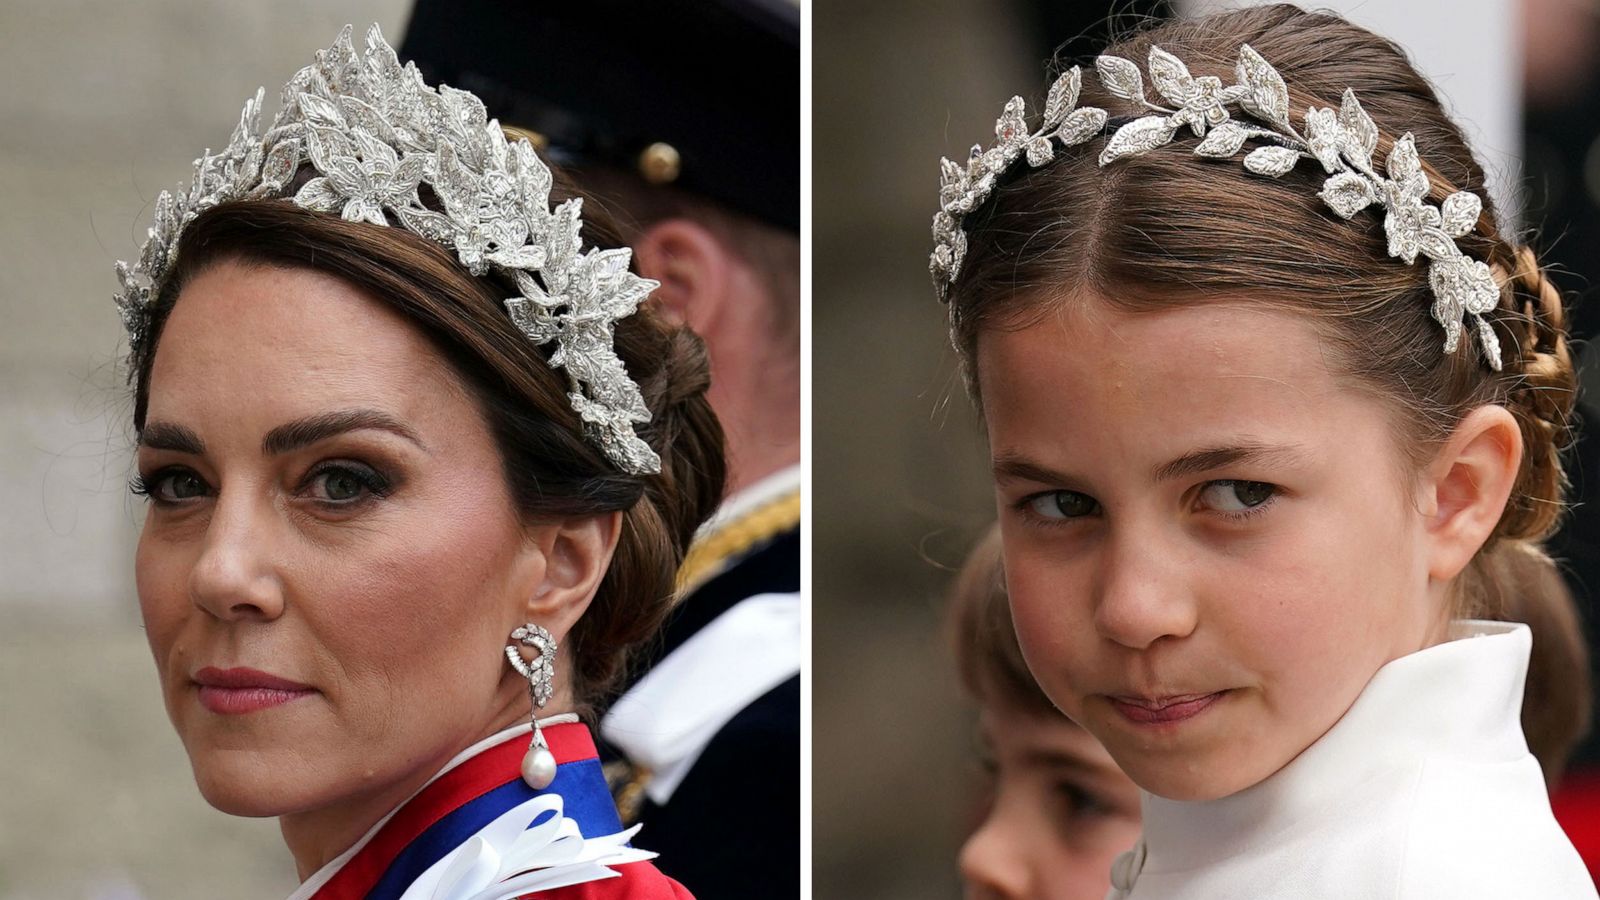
x=311 y=429
x=167 y=436
x=1213 y=458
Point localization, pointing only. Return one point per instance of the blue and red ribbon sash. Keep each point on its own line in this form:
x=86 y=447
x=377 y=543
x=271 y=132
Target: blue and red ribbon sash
x=462 y=801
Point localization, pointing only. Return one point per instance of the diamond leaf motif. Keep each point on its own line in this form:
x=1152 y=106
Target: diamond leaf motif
x=1361 y=134
x=1140 y=135
x=1271 y=161
x=1460 y=213
x=1325 y=137
x=1063 y=97
x=1121 y=77
x=1224 y=141
x=1435 y=244
x=1081 y=125
x=1010 y=129
x=318 y=194
x=1348 y=193
x=1269 y=96
x=1489 y=342
x=1039 y=151
x=1405 y=170
x=319 y=111
x=1170 y=77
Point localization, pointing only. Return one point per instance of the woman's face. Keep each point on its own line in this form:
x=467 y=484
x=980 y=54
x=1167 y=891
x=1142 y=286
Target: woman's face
x=327 y=507
x=1059 y=811
x=1210 y=546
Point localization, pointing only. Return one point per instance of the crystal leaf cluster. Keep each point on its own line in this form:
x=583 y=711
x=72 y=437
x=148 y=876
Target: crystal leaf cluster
x=541 y=671
x=1342 y=141
x=375 y=133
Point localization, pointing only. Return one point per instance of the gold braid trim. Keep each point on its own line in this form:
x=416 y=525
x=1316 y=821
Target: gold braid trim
x=709 y=555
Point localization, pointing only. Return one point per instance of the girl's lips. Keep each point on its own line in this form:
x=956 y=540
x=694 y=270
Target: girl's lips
x=1165 y=710
x=241 y=690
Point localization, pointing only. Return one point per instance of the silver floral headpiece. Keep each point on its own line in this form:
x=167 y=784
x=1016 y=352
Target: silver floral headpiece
x=1342 y=141
x=375 y=132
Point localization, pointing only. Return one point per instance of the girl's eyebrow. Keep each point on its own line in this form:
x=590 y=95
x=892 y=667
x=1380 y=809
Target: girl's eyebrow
x=1011 y=466
x=1213 y=458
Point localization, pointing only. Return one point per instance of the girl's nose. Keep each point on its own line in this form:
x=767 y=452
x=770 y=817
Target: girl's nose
x=1142 y=595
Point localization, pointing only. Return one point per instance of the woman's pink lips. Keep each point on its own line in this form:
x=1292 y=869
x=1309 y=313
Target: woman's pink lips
x=241 y=690
x=1164 y=711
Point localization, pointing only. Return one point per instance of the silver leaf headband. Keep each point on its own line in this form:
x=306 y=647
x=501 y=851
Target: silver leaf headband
x=375 y=132
x=1342 y=141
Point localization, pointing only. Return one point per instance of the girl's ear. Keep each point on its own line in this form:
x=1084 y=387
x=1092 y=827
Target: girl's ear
x=575 y=553
x=1465 y=488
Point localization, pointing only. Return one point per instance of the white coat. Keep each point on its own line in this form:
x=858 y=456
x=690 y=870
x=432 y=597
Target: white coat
x=1424 y=790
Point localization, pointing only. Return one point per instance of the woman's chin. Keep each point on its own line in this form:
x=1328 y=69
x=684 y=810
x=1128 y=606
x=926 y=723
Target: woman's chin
x=242 y=783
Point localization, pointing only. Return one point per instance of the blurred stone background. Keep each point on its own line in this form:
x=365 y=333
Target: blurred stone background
x=900 y=489
x=103 y=104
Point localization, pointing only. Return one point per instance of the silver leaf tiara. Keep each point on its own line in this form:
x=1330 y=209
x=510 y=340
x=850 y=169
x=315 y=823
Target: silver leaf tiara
x=1342 y=141
x=375 y=132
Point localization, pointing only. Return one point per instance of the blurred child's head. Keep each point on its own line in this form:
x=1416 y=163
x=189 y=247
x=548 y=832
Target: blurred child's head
x=1058 y=810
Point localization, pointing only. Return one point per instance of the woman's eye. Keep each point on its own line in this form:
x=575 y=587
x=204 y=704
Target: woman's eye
x=1236 y=496
x=1062 y=505
x=345 y=483
x=170 y=486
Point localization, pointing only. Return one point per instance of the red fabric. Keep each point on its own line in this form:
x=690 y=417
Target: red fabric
x=466 y=782
x=639 y=881
x=1576 y=802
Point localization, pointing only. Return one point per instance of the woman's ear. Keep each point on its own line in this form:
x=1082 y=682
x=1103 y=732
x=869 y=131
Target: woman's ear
x=1466 y=487
x=576 y=553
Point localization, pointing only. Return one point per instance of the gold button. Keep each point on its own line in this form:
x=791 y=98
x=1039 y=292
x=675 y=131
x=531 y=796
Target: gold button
x=659 y=163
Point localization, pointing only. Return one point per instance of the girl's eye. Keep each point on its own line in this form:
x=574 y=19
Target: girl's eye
x=1237 y=496
x=1062 y=505
x=170 y=486
x=346 y=483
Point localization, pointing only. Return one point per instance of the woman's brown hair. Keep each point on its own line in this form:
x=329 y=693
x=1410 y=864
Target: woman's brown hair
x=550 y=468
x=1168 y=227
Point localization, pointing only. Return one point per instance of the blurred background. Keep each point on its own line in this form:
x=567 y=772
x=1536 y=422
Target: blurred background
x=104 y=104
x=899 y=466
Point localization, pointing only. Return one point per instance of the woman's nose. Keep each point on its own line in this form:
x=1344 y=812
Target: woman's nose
x=233 y=577
x=1142 y=595
x=992 y=865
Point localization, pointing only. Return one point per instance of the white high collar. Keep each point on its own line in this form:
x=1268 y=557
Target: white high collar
x=1460 y=700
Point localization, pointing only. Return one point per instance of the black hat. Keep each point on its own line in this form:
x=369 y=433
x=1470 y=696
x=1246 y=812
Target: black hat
x=701 y=94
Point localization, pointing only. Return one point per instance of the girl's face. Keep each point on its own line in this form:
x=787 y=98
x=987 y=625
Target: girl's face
x=1210 y=542
x=1059 y=811
x=326 y=508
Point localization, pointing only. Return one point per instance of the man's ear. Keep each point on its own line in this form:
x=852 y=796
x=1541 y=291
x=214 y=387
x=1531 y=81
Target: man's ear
x=576 y=553
x=697 y=273
x=1466 y=486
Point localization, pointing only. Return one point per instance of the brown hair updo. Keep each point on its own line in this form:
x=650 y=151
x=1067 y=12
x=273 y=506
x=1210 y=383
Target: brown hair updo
x=550 y=469
x=1167 y=228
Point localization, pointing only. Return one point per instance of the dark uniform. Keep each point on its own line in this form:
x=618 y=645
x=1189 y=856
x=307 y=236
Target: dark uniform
x=704 y=95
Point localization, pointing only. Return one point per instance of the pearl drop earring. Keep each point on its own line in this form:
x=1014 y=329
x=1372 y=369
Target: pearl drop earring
x=539 y=765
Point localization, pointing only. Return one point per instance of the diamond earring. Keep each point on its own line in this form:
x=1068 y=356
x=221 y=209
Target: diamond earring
x=539 y=765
